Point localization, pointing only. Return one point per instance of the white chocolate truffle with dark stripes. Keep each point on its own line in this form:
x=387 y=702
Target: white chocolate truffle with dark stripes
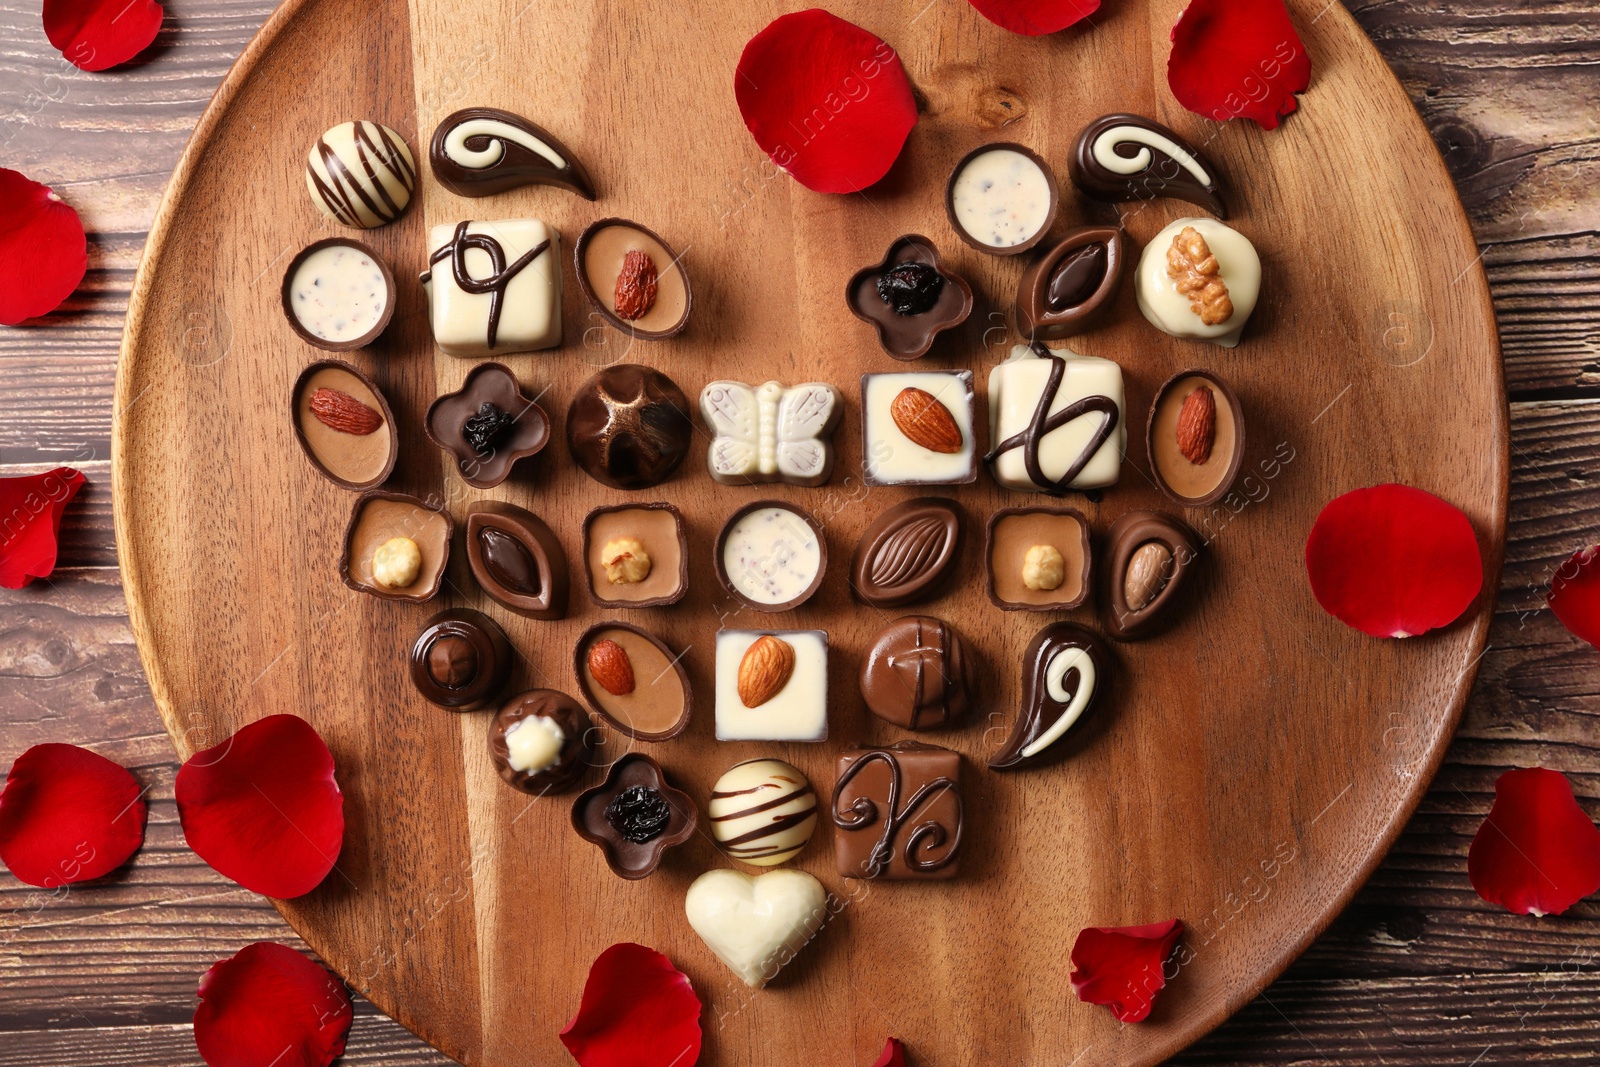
x=361 y=174
x=763 y=812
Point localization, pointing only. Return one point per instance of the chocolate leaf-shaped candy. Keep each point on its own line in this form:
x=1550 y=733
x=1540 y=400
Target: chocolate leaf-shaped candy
x=1129 y=157
x=907 y=552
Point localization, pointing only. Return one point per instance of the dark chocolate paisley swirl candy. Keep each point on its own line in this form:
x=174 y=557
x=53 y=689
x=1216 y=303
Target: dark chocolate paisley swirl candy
x=907 y=552
x=1066 y=672
x=483 y=150
x=1129 y=157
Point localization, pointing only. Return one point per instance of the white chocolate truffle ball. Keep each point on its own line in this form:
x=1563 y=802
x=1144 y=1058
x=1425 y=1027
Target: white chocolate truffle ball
x=395 y=563
x=361 y=174
x=1169 y=310
x=763 y=811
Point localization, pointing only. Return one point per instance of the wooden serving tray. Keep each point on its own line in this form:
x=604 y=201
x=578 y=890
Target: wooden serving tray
x=1256 y=762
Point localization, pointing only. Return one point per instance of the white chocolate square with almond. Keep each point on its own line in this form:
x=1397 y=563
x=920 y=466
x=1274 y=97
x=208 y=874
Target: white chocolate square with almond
x=797 y=712
x=889 y=456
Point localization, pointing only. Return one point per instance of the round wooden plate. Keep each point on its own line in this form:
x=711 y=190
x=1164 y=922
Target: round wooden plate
x=1258 y=760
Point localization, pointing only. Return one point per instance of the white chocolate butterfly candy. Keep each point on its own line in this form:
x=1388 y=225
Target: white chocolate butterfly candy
x=768 y=433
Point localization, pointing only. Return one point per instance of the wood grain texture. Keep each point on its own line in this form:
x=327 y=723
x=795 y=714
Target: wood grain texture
x=1417 y=919
x=1332 y=738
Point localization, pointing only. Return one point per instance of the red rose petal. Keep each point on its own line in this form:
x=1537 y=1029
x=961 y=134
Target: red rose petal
x=1537 y=852
x=43 y=252
x=893 y=1054
x=263 y=808
x=1233 y=58
x=1123 y=967
x=68 y=815
x=1575 y=594
x=828 y=101
x=1393 y=561
x=638 y=1010
x=30 y=519
x=97 y=34
x=269 y=1006
x=1035 y=17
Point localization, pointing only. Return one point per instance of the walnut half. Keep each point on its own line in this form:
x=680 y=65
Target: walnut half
x=1197 y=275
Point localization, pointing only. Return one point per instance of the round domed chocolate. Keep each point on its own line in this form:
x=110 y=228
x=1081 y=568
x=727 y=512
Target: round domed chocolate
x=918 y=674
x=763 y=811
x=460 y=660
x=628 y=427
x=541 y=741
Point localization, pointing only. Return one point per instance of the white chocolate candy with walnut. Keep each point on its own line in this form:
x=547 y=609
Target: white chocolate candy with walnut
x=1171 y=310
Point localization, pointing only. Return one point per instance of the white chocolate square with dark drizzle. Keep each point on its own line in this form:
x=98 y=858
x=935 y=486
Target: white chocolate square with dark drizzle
x=1056 y=421
x=494 y=287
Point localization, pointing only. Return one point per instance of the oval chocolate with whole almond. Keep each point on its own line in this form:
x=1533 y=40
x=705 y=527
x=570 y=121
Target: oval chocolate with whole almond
x=907 y=552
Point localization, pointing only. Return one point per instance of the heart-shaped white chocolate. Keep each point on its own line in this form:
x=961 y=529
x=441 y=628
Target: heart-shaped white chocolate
x=756 y=924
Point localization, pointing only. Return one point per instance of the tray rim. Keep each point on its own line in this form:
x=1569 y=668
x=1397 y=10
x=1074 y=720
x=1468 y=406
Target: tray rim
x=1186 y=1031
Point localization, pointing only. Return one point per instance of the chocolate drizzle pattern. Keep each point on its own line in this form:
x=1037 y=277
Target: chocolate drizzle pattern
x=765 y=842
x=500 y=274
x=1043 y=422
x=351 y=196
x=930 y=845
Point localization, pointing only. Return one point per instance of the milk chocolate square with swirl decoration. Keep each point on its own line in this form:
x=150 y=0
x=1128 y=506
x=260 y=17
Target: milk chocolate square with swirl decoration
x=897 y=812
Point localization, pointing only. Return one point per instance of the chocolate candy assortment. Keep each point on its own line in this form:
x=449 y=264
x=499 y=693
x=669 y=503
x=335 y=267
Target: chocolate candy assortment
x=1056 y=425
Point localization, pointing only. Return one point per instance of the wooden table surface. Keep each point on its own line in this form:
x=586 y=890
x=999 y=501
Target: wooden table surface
x=1417 y=970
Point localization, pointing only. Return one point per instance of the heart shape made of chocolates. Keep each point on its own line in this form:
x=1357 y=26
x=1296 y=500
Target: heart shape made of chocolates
x=756 y=923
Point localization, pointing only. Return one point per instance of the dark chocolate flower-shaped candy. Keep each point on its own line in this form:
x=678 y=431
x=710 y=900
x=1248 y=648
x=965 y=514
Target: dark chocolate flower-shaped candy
x=909 y=298
x=634 y=816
